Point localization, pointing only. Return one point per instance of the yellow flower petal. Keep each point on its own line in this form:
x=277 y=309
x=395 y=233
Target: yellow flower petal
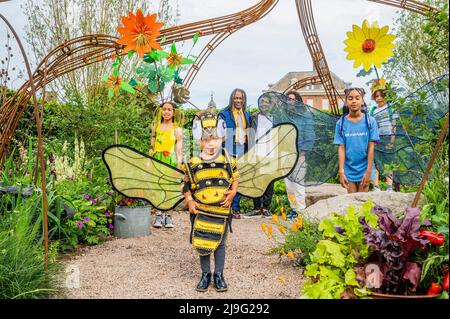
x=383 y=31
x=374 y=33
x=263 y=227
x=355 y=55
x=282 y=229
x=294 y=228
x=281 y=280
x=359 y=35
x=352 y=43
x=385 y=40
x=290 y=254
x=275 y=218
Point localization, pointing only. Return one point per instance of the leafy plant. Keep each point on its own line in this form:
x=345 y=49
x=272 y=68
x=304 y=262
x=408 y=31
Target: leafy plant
x=22 y=271
x=393 y=244
x=333 y=271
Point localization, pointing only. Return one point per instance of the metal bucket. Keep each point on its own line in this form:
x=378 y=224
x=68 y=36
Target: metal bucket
x=132 y=221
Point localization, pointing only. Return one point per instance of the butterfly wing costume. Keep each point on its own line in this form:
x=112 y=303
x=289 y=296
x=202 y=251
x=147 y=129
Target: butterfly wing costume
x=137 y=175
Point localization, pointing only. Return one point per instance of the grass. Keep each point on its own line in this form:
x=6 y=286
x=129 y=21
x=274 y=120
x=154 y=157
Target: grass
x=22 y=266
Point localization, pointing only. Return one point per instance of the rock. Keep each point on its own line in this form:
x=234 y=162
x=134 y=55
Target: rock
x=397 y=202
x=324 y=191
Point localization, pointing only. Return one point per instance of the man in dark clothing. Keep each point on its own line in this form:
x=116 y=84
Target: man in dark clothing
x=237 y=121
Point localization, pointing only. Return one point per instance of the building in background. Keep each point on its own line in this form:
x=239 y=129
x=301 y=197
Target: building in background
x=312 y=95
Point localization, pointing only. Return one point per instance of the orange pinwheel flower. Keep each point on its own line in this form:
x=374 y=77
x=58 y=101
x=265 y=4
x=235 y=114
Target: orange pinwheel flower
x=140 y=32
x=290 y=254
x=275 y=218
x=294 y=228
x=281 y=229
x=114 y=82
x=174 y=59
x=263 y=227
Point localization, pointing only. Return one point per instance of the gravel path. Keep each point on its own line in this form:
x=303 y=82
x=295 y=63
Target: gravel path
x=164 y=265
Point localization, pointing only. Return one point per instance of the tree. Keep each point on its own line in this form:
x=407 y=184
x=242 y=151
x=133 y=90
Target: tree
x=422 y=47
x=50 y=22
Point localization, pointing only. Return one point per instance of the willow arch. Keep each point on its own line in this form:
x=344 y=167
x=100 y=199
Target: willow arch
x=82 y=51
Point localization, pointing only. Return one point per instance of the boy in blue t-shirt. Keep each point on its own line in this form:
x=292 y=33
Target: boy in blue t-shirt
x=356 y=135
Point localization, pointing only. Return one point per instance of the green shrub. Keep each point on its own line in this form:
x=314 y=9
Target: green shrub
x=22 y=265
x=302 y=242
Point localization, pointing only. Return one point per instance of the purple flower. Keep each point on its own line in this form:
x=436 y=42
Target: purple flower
x=71 y=178
x=110 y=192
x=10 y=172
x=111 y=226
x=86 y=196
x=107 y=214
x=93 y=200
x=86 y=219
x=79 y=224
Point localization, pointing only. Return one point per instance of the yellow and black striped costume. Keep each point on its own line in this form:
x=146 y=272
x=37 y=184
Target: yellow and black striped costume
x=208 y=181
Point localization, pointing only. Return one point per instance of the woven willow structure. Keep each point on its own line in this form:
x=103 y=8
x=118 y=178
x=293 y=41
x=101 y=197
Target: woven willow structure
x=82 y=51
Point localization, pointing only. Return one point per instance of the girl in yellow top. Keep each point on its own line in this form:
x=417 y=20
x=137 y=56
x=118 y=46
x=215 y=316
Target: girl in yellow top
x=167 y=145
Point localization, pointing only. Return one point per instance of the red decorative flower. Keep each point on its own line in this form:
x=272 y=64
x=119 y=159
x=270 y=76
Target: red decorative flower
x=166 y=153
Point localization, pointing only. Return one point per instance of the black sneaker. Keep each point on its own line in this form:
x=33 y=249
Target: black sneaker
x=157 y=223
x=266 y=213
x=253 y=214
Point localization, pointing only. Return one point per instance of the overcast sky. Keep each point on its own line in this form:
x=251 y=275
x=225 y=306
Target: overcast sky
x=262 y=53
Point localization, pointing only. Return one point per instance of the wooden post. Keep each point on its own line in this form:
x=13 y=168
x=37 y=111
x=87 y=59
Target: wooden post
x=39 y=131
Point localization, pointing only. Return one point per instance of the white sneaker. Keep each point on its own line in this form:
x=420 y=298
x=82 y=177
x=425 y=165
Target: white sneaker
x=389 y=189
x=157 y=223
x=168 y=222
x=376 y=189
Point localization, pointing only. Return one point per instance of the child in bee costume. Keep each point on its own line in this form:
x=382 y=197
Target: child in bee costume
x=211 y=182
x=207 y=182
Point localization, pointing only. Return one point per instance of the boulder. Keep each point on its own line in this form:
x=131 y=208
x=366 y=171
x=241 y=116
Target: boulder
x=324 y=191
x=396 y=202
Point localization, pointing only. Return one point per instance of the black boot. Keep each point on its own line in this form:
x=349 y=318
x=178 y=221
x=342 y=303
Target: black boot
x=219 y=282
x=204 y=282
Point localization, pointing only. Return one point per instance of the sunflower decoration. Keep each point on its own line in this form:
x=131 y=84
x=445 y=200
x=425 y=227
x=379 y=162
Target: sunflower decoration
x=369 y=45
x=152 y=68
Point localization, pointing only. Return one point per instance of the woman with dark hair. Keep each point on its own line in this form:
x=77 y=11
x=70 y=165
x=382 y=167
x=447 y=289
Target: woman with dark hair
x=294 y=96
x=356 y=134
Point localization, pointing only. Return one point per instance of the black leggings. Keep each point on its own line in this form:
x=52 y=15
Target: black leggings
x=219 y=257
x=219 y=253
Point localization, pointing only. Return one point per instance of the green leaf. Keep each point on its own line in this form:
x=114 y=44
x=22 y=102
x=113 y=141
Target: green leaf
x=130 y=53
x=163 y=40
x=127 y=87
x=133 y=82
x=105 y=78
x=173 y=49
x=110 y=93
x=350 y=278
x=196 y=36
x=187 y=61
x=116 y=72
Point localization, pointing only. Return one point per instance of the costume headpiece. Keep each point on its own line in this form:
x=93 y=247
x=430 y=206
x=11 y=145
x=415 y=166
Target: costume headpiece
x=378 y=85
x=206 y=123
